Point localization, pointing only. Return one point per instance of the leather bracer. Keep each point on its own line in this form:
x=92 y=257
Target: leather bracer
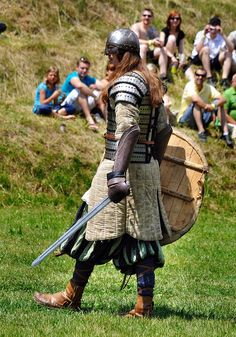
x=117 y=186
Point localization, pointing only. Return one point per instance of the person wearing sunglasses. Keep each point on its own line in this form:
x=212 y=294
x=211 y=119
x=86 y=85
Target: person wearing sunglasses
x=151 y=47
x=80 y=90
x=213 y=50
x=200 y=105
x=173 y=40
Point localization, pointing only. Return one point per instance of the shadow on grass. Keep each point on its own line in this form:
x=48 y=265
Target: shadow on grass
x=163 y=312
x=160 y=312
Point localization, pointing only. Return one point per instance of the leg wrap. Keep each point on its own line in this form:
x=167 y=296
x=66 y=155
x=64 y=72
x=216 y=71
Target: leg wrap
x=145 y=277
x=82 y=272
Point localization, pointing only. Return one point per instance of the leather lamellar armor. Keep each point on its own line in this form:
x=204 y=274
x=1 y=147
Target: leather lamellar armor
x=132 y=89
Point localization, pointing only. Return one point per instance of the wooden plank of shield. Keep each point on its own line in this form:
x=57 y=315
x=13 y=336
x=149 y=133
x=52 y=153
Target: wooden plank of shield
x=183 y=171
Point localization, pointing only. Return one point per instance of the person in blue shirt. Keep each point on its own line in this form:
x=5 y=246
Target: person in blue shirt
x=46 y=97
x=82 y=90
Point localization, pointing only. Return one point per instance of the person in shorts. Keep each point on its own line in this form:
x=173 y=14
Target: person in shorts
x=151 y=47
x=213 y=50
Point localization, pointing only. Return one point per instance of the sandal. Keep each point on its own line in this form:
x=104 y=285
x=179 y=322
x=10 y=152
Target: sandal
x=93 y=127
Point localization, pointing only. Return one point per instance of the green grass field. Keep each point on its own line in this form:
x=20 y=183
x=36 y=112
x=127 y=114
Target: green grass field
x=194 y=296
x=44 y=172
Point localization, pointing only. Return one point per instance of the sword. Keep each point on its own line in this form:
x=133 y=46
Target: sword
x=72 y=230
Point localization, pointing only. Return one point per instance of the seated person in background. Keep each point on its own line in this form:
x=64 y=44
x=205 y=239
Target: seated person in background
x=172 y=38
x=46 y=97
x=213 y=50
x=82 y=90
x=232 y=38
x=150 y=44
x=110 y=68
x=200 y=102
x=230 y=105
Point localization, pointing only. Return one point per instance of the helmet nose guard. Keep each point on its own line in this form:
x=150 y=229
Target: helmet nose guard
x=122 y=40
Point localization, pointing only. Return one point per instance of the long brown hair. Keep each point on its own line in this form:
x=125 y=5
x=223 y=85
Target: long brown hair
x=133 y=62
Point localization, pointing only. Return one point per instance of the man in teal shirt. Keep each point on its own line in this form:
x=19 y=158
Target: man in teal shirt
x=78 y=87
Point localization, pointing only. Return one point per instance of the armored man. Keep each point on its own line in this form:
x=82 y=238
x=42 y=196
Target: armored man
x=129 y=229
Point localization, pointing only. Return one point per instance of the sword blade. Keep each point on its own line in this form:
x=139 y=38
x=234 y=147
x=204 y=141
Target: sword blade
x=72 y=230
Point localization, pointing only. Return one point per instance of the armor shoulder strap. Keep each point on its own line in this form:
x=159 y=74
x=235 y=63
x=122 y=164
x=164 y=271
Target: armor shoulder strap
x=129 y=88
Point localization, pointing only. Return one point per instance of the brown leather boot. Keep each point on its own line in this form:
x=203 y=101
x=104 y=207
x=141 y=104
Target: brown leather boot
x=143 y=307
x=69 y=298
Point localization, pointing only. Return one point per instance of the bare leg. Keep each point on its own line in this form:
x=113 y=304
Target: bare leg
x=163 y=59
x=226 y=60
x=205 y=58
x=102 y=107
x=62 y=112
x=198 y=119
x=222 y=118
x=84 y=105
x=171 y=44
x=143 y=51
x=189 y=73
x=171 y=48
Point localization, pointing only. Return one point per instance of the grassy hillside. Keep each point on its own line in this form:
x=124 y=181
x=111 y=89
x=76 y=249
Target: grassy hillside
x=44 y=32
x=34 y=153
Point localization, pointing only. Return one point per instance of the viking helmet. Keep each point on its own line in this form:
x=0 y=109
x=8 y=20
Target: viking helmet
x=121 y=40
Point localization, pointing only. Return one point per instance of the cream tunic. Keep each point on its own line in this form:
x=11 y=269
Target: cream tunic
x=140 y=213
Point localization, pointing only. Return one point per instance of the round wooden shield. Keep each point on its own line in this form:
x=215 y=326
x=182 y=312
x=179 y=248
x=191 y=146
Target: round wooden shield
x=183 y=171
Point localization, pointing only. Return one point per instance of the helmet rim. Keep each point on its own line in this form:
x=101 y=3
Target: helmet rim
x=122 y=40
